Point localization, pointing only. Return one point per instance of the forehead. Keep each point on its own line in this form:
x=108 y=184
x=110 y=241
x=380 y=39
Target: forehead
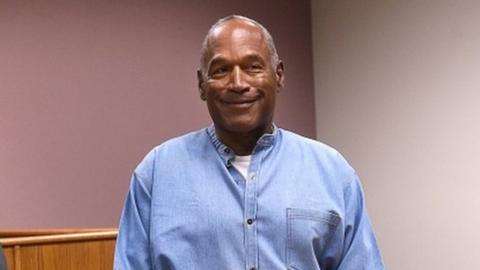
x=237 y=37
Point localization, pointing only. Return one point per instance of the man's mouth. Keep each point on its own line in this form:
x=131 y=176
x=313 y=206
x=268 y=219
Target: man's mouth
x=240 y=103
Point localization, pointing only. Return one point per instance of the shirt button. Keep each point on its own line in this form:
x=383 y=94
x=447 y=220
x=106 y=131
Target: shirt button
x=249 y=221
x=252 y=177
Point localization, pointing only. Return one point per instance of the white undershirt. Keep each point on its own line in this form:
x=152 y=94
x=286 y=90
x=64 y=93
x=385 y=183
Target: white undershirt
x=241 y=163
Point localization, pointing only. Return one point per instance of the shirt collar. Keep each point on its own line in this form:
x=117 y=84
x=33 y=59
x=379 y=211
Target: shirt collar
x=227 y=154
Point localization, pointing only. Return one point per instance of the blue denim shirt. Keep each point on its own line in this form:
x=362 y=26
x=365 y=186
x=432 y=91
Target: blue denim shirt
x=302 y=207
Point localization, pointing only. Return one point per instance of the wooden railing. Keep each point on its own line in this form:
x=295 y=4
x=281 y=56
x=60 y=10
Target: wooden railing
x=59 y=249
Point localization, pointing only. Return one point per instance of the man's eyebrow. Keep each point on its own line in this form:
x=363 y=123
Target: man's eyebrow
x=217 y=60
x=254 y=57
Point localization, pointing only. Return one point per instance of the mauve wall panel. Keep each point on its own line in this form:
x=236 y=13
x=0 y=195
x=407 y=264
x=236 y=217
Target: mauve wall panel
x=88 y=87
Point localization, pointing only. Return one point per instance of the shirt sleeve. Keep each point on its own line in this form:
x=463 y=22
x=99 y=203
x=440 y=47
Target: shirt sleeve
x=132 y=249
x=360 y=250
x=3 y=263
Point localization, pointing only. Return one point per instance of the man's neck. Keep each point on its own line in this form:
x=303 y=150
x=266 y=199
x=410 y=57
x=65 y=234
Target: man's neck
x=242 y=143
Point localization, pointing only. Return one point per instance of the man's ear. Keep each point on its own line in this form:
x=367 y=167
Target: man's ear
x=201 y=84
x=280 y=75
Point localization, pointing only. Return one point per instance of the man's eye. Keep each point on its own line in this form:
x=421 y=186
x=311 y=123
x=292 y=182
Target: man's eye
x=254 y=68
x=219 y=71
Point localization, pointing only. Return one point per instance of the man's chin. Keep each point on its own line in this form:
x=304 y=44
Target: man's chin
x=243 y=126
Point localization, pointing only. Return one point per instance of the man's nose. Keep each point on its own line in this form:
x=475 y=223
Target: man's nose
x=237 y=80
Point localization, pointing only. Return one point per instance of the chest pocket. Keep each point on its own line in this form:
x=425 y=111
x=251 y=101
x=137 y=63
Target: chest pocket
x=309 y=233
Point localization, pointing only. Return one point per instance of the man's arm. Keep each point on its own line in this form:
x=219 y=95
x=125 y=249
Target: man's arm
x=3 y=263
x=133 y=245
x=361 y=251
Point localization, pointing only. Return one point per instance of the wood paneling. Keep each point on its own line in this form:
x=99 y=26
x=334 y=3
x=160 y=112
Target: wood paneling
x=40 y=232
x=92 y=250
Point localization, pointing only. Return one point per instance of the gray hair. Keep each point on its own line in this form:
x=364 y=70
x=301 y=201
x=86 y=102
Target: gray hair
x=275 y=60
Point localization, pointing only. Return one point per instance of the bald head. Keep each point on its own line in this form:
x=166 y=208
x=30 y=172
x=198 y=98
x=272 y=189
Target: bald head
x=205 y=53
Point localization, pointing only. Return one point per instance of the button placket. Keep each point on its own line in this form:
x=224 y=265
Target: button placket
x=251 y=211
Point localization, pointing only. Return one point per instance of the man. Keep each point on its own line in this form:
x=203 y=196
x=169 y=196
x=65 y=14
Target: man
x=244 y=194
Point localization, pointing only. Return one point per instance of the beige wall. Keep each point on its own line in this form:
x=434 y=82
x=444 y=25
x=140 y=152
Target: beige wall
x=398 y=92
